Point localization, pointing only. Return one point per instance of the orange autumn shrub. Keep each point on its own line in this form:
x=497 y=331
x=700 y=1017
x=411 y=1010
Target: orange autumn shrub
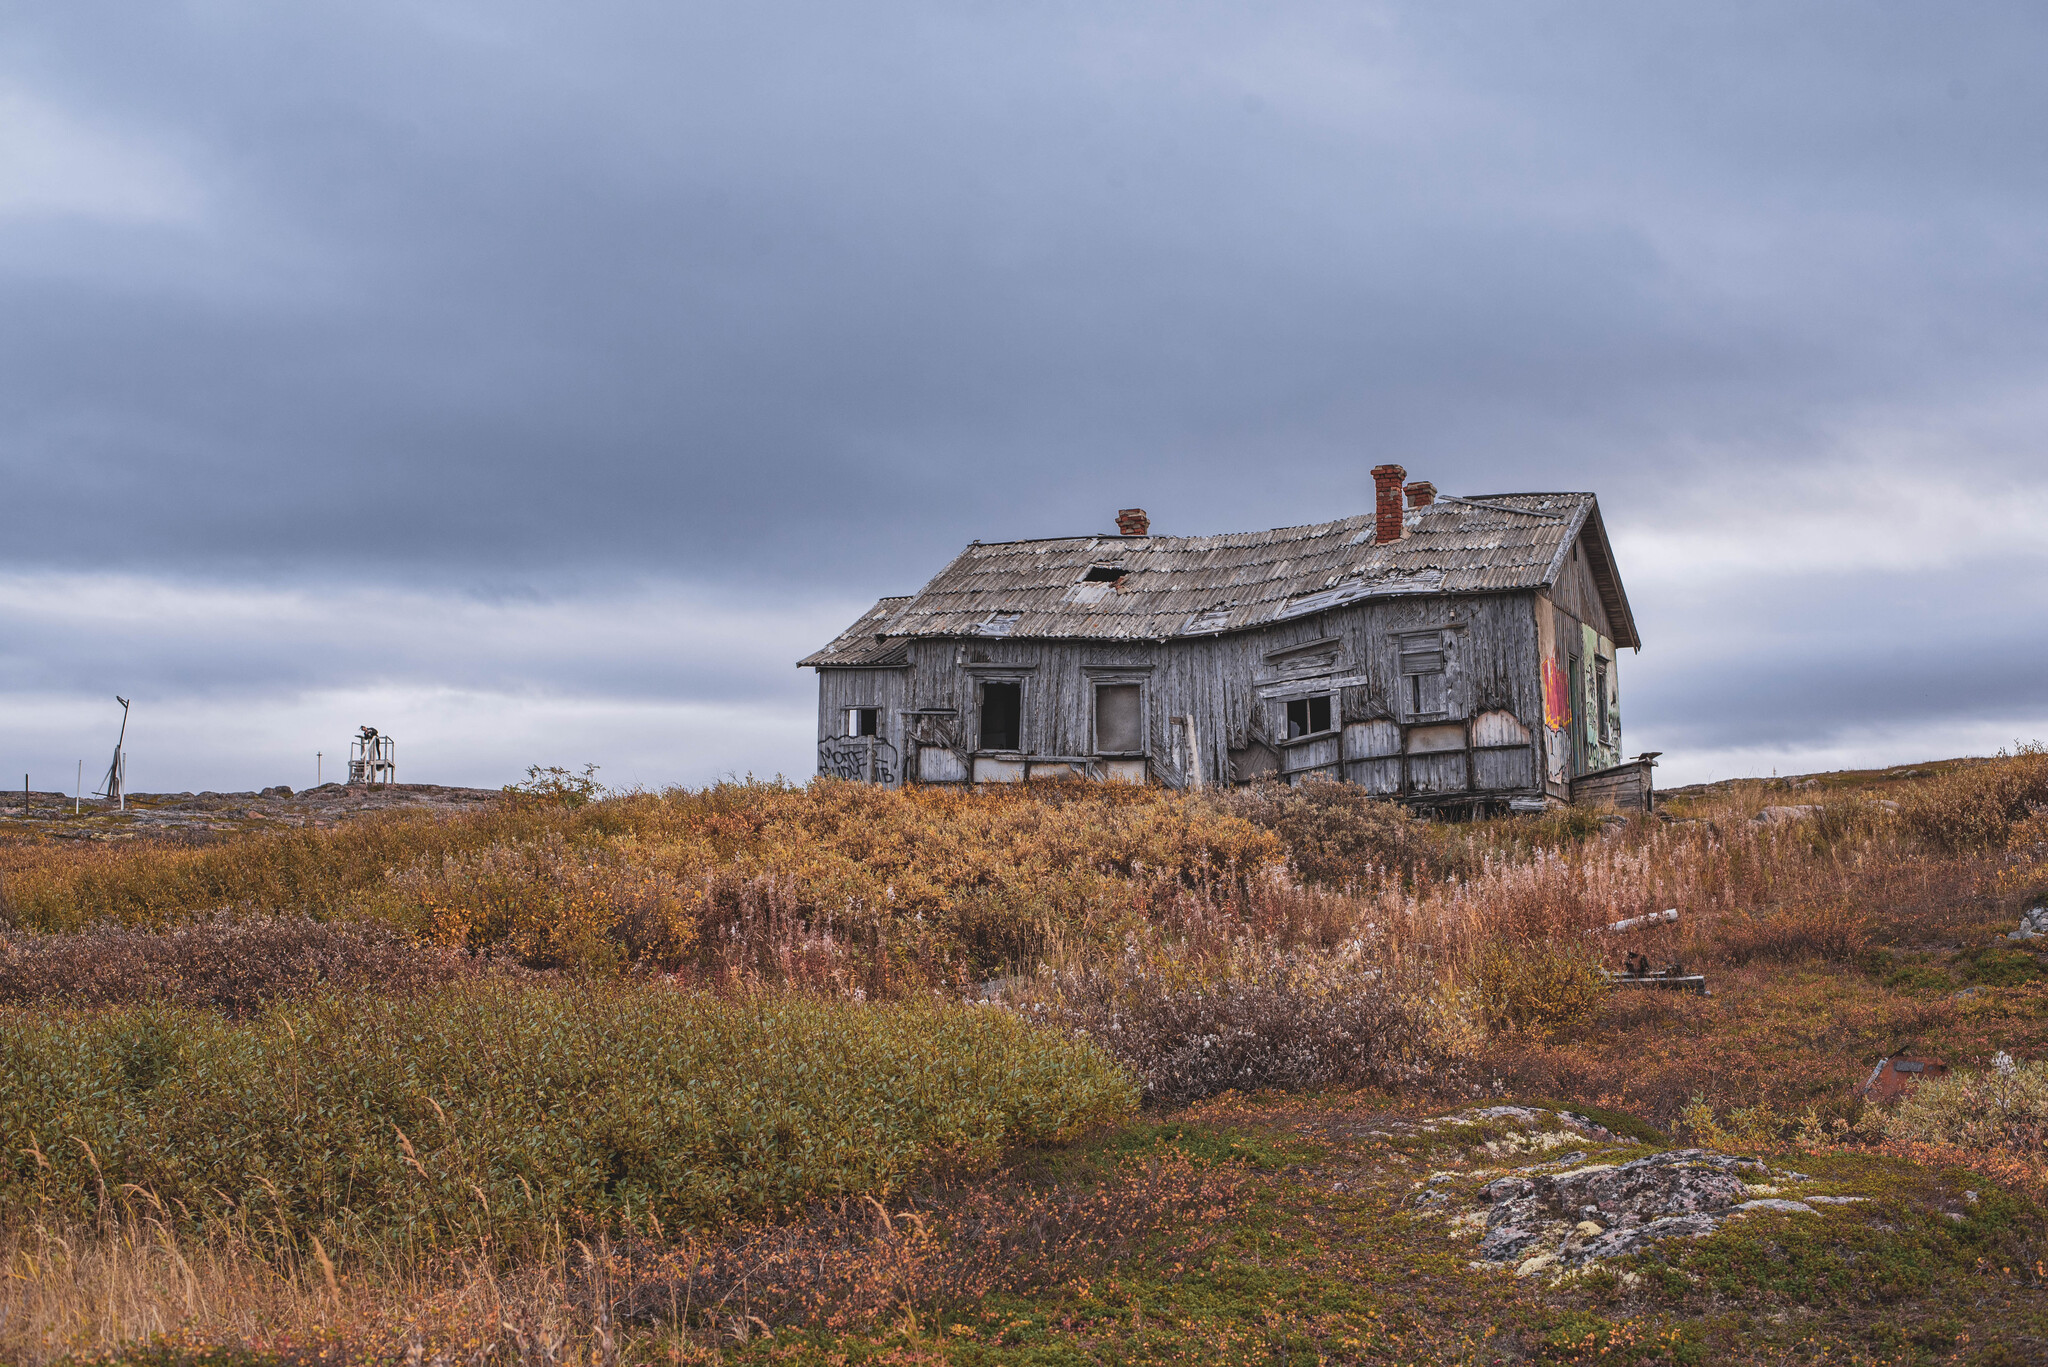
x=839 y=883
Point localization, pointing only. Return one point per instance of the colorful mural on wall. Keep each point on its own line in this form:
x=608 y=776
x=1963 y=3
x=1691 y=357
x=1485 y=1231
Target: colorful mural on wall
x=1557 y=696
x=1557 y=720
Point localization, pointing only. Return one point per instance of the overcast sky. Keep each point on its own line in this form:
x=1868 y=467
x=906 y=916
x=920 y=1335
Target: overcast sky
x=537 y=382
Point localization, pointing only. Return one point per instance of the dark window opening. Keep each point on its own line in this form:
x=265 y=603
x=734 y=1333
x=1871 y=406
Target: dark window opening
x=1307 y=716
x=863 y=721
x=1119 y=724
x=1002 y=716
x=1103 y=574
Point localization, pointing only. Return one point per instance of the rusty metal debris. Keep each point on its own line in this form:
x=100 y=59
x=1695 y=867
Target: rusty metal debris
x=1898 y=1073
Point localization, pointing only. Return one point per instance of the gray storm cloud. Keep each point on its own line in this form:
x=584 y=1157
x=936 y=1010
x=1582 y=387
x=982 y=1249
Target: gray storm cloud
x=688 y=316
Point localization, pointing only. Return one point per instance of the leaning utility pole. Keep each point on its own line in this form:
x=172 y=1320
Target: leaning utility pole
x=115 y=784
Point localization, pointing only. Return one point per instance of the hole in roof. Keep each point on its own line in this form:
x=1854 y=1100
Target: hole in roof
x=1103 y=574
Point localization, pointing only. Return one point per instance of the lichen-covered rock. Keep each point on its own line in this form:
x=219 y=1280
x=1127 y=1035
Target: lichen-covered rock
x=1506 y=1240
x=1608 y=1209
x=1523 y=1115
x=1507 y=1188
x=1556 y=1216
x=1618 y=1243
x=1679 y=1183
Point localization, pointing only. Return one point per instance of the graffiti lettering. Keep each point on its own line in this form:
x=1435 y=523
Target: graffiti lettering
x=864 y=759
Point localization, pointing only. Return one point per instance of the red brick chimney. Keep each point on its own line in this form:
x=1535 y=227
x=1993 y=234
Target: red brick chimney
x=1132 y=522
x=1421 y=494
x=1387 y=485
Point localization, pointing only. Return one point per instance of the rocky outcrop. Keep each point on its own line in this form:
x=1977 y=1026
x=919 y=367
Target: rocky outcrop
x=1578 y=1215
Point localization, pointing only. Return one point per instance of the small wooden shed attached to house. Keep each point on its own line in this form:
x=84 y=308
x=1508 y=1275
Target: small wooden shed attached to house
x=1451 y=652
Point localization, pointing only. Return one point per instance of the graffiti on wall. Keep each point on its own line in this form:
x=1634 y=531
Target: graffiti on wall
x=865 y=759
x=1557 y=696
x=1557 y=720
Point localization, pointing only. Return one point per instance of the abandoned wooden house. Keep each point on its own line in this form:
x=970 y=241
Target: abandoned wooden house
x=1454 y=653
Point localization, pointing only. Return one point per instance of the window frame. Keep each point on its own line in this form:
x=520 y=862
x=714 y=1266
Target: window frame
x=1307 y=702
x=1420 y=646
x=1603 y=696
x=1016 y=680
x=1096 y=684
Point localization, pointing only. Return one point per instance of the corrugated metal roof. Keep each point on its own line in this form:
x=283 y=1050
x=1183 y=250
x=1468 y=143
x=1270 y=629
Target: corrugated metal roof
x=1156 y=587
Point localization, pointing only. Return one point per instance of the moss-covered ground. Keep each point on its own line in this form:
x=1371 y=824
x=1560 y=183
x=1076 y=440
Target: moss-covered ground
x=1326 y=1258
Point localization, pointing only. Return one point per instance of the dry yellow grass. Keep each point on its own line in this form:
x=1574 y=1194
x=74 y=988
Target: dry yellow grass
x=1827 y=938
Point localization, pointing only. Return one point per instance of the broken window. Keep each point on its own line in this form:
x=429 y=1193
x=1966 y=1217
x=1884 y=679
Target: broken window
x=1307 y=716
x=1119 y=722
x=1002 y=715
x=1103 y=574
x=863 y=721
x=1425 y=683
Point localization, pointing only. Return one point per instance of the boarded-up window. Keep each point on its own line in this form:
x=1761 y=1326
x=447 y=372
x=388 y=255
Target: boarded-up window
x=1425 y=683
x=1119 y=724
x=1002 y=715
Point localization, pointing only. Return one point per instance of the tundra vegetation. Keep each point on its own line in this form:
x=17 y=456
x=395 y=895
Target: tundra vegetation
x=1063 y=1073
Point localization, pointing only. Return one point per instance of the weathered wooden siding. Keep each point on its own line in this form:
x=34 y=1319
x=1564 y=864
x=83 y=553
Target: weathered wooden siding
x=878 y=759
x=1582 y=741
x=1577 y=593
x=1627 y=786
x=1214 y=709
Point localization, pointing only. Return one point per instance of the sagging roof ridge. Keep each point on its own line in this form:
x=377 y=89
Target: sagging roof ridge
x=1118 y=538
x=1216 y=584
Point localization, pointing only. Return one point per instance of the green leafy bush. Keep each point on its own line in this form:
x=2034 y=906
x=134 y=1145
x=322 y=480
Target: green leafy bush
x=490 y=1114
x=1919 y=976
x=2000 y=966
